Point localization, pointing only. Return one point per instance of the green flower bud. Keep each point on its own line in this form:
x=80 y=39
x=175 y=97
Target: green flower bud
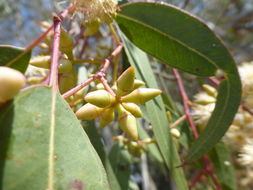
x=138 y=83
x=141 y=95
x=100 y=98
x=204 y=102
x=133 y=109
x=67 y=81
x=66 y=44
x=125 y=82
x=169 y=117
x=211 y=91
x=11 y=81
x=107 y=117
x=89 y=112
x=65 y=66
x=41 y=61
x=127 y=123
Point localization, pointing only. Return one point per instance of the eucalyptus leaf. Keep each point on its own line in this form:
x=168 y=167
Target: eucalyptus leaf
x=8 y=53
x=42 y=149
x=223 y=166
x=181 y=40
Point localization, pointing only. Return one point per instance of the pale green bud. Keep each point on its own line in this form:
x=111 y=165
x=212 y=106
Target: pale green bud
x=141 y=95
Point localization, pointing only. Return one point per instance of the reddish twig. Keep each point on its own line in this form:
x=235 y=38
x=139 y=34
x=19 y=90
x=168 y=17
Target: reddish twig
x=99 y=75
x=77 y=88
x=107 y=87
x=246 y=108
x=185 y=101
x=208 y=168
x=55 y=54
x=197 y=179
x=214 y=81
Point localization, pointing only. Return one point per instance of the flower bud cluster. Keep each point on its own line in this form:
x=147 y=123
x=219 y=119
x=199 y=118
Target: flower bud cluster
x=11 y=81
x=101 y=104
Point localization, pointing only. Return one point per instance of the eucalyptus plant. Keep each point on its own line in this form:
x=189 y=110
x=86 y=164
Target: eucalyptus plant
x=55 y=119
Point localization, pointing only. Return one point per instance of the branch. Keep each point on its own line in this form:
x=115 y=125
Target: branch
x=208 y=168
x=99 y=75
x=55 y=54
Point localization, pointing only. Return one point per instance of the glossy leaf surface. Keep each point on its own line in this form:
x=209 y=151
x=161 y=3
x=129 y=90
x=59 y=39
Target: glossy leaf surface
x=183 y=41
x=8 y=53
x=40 y=149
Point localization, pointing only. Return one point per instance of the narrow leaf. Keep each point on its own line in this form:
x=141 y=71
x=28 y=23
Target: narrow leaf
x=156 y=112
x=41 y=149
x=8 y=53
x=220 y=156
x=183 y=41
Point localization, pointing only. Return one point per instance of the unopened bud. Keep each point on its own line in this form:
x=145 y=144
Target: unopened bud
x=169 y=118
x=127 y=123
x=138 y=83
x=100 y=98
x=67 y=81
x=65 y=66
x=133 y=109
x=211 y=91
x=107 y=117
x=125 y=82
x=204 y=102
x=45 y=24
x=175 y=132
x=141 y=95
x=66 y=44
x=41 y=61
x=89 y=112
x=11 y=81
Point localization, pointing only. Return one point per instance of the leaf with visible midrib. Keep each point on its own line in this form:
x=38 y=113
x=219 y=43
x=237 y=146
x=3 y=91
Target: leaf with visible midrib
x=9 y=53
x=39 y=148
x=183 y=41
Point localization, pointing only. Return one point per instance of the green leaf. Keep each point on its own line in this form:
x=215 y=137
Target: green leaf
x=120 y=161
x=117 y=182
x=9 y=53
x=220 y=156
x=156 y=112
x=42 y=148
x=183 y=41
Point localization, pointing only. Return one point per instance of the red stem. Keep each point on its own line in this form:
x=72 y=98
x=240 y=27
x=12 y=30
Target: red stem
x=77 y=88
x=185 y=103
x=246 y=108
x=55 y=54
x=214 y=81
x=208 y=168
x=197 y=179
